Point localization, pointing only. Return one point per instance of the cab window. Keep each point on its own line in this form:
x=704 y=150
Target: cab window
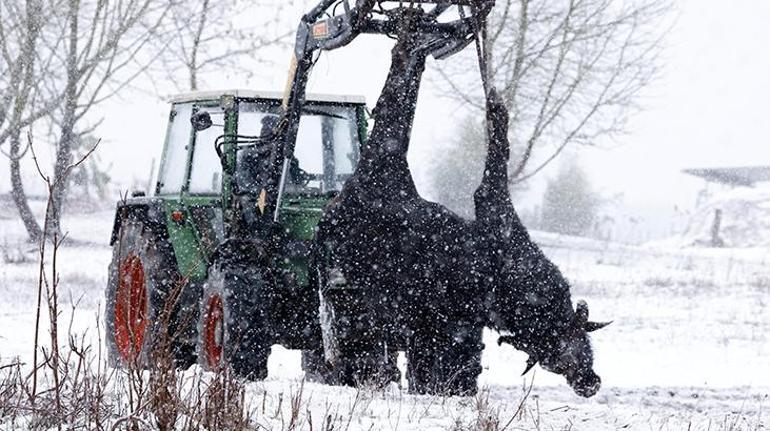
x=254 y=119
x=172 y=172
x=326 y=148
x=206 y=168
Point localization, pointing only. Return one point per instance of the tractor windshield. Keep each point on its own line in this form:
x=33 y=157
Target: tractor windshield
x=325 y=154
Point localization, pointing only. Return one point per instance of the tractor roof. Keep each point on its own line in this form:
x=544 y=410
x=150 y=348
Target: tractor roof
x=252 y=94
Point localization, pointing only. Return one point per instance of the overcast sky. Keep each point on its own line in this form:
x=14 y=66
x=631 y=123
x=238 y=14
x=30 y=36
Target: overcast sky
x=708 y=108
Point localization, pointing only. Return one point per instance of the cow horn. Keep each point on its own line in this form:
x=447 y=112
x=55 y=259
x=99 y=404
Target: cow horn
x=593 y=326
x=530 y=363
x=581 y=312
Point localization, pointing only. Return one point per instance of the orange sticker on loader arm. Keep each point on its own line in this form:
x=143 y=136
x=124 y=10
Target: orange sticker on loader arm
x=321 y=30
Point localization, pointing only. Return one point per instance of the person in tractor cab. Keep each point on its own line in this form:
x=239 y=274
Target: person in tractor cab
x=297 y=175
x=254 y=161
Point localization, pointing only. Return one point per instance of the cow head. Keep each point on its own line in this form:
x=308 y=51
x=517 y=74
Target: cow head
x=567 y=353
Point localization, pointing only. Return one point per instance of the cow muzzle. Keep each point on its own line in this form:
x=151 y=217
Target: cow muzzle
x=586 y=383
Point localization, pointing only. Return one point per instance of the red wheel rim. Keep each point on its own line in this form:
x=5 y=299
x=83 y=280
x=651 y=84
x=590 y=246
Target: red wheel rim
x=213 y=331
x=130 y=308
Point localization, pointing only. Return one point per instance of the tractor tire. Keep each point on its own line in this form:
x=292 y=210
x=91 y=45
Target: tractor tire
x=442 y=363
x=354 y=352
x=233 y=330
x=142 y=277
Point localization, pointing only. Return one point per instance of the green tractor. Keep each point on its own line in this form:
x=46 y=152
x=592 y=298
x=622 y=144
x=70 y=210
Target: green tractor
x=165 y=279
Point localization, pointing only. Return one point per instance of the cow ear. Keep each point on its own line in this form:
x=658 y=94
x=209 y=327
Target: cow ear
x=505 y=339
x=581 y=313
x=593 y=326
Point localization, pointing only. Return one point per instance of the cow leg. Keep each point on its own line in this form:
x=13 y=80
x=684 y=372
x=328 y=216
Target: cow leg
x=444 y=360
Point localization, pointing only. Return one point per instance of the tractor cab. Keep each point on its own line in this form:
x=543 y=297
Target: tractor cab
x=328 y=142
x=216 y=153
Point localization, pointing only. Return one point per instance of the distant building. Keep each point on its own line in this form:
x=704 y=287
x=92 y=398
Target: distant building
x=746 y=176
x=732 y=216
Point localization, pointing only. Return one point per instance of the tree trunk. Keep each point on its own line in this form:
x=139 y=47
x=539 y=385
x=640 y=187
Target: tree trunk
x=19 y=196
x=63 y=161
x=17 y=185
x=196 y=44
x=67 y=136
x=193 y=78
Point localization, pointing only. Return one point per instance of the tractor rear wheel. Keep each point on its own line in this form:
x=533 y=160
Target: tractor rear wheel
x=442 y=362
x=142 y=278
x=233 y=330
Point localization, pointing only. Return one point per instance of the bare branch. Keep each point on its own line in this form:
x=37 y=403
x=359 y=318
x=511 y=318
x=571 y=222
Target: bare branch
x=202 y=38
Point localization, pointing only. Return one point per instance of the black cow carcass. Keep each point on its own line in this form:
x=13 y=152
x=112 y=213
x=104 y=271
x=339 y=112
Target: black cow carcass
x=528 y=297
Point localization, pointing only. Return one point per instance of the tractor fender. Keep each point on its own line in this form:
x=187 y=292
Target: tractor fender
x=149 y=211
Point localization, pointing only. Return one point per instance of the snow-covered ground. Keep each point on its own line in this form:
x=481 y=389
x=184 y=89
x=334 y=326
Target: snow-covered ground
x=689 y=347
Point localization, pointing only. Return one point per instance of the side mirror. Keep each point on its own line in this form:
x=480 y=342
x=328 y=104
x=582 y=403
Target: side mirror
x=201 y=120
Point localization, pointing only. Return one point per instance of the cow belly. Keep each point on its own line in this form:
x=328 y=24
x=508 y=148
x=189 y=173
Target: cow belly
x=414 y=262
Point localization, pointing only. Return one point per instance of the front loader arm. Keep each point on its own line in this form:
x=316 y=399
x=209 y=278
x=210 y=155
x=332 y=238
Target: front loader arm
x=320 y=30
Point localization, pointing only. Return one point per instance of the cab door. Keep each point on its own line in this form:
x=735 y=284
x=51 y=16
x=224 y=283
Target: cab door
x=190 y=183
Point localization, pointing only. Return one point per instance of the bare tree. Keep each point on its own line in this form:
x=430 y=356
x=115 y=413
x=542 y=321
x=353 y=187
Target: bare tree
x=569 y=71
x=20 y=104
x=62 y=58
x=204 y=36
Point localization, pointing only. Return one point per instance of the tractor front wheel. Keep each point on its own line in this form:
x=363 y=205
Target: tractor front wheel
x=233 y=331
x=354 y=350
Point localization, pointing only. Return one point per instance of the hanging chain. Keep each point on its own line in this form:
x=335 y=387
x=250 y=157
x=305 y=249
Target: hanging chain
x=480 y=36
x=480 y=39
